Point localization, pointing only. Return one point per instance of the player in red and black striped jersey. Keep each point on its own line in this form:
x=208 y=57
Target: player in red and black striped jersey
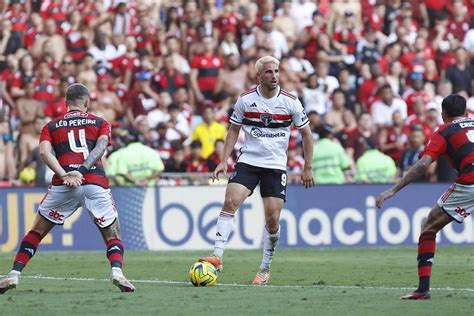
x=73 y=136
x=72 y=146
x=455 y=140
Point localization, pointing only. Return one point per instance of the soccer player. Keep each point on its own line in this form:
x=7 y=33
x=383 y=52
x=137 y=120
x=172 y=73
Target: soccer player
x=72 y=145
x=455 y=140
x=265 y=113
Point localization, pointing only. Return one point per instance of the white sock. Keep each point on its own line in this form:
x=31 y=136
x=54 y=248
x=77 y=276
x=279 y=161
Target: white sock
x=270 y=241
x=225 y=226
x=14 y=273
x=117 y=271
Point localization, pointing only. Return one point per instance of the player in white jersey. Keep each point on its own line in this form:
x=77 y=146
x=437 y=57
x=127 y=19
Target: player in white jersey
x=265 y=114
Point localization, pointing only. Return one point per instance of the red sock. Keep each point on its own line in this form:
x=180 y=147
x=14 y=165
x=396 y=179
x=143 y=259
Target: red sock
x=426 y=251
x=28 y=247
x=115 y=253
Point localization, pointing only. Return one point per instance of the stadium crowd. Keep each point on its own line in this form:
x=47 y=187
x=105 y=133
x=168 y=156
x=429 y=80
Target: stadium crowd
x=371 y=75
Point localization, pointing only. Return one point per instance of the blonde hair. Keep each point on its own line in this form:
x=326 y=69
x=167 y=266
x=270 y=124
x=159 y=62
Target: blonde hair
x=265 y=60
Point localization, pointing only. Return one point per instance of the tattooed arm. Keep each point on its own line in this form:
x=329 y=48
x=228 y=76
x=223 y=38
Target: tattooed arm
x=96 y=153
x=414 y=173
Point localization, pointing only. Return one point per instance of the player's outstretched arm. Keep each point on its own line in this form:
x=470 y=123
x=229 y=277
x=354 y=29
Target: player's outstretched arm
x=307 y=173
x=414 y=173
x=229 y=144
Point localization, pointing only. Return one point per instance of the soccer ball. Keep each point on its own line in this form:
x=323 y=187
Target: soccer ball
x=203 y=274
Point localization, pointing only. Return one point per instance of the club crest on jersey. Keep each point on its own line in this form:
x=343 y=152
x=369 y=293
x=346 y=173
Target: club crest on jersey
x=266 y=118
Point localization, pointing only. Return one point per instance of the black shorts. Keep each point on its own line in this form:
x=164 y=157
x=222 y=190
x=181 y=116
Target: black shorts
x=272 y=181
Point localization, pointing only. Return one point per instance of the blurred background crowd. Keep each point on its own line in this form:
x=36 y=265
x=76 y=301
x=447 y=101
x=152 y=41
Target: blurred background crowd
x=371 y=75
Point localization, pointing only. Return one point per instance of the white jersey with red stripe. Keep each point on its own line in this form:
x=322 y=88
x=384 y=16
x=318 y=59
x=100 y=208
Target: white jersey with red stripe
x=267 y=123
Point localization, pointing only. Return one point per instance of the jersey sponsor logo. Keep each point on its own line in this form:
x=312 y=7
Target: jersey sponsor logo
x=100 y=221
x=266 y=118
x=56 y=215
x=258 y=133
x=462 y=212
x=30 y=250
x=114 y=248
x=74 y=114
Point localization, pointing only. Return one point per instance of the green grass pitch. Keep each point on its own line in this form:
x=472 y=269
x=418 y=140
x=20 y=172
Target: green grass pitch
x=309 y=282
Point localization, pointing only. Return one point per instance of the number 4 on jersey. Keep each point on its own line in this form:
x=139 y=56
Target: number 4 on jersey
x=82 y=140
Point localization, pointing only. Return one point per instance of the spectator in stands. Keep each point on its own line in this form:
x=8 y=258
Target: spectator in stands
x=393 y=139
x=10 y=41
x=410 y=155
x=461 y=74
x=28 y=110
x=135 y=164
x=327 y=83
x=169 y=78
x=348 y=33
x=299 y=64
x=178 y=126
x=142 y=99
x=108 y=102
x=334 y=116
x=87 y=75
x=374 y=166
x=285 y=23
x=11 y=79
x=309 y=37
x=395 y=78
x=302 y=12
x=268 y=37
x=215 y=158
x=232 y=79
x=356 y=140
x=177 y=162
x=195 y=161
x=415 y=92
x=209 y=131
x=174 y=48
x=77 y=39
x=50 y=38
x=127 y=64
x=103 y=50
x=205 y=70
x=43 y=174
x=7 y=150
x=383 y=109
x=67 y=69
x=330 y=52
x=44 y=84
x=329 y=159
x=228 y=45
x=314 y=96
x=347 y=86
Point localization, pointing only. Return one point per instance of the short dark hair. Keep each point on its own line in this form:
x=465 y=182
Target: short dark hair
x=454 y=105
x=195 y=144
x=77 y=92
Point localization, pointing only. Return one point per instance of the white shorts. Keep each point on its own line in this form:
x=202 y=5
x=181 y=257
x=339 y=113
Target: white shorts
x=61 y=202
x=458 y=201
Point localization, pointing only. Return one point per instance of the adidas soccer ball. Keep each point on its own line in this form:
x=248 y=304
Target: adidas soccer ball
x=203 y=274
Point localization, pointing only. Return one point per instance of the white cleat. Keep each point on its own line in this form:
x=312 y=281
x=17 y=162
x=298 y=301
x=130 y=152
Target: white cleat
x=10 y=282
x=119 y=280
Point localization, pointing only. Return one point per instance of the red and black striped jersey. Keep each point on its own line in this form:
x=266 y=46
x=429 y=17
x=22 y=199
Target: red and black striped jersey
x=73 y=136
x=455 y=140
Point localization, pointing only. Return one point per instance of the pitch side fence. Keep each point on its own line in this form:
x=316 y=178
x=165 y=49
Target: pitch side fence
x=175 y=218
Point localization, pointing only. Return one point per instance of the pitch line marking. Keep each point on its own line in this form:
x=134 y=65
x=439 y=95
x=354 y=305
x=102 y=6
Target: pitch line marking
x=346 y=287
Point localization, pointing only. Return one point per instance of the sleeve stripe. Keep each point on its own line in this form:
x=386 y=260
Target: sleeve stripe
x=298 y=126
x=235 y=122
